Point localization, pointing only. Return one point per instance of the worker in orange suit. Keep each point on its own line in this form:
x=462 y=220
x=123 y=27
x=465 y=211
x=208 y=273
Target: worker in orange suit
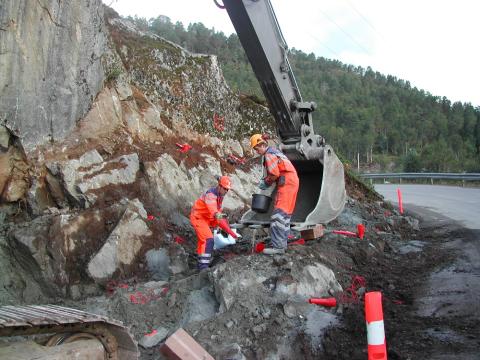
x=206 y=214
x=278 y=170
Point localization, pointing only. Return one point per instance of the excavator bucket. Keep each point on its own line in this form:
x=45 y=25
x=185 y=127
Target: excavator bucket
x=322 y=186
x=321 y=196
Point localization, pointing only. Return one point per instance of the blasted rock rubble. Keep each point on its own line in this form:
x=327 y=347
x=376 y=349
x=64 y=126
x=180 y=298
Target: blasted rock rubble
x=249 y=306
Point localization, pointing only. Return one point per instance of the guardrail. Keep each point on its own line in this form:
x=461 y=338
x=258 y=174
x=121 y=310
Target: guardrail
x=432 y=176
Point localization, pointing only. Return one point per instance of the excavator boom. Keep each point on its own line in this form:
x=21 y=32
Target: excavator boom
x=322 y=194
x=266 y=49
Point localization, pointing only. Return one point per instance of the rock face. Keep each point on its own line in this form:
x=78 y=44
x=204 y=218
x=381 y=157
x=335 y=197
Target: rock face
x=177 y=187
x=122 y=245
x=182 y=85
x=31 y=244
x=91 y=110
x=17 y=285
x=59 y=249
x=50 y=67
x=90 y=172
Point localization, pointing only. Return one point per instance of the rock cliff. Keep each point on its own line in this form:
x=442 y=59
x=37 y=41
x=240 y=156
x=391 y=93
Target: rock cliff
x=94 y=113
x=50 y=66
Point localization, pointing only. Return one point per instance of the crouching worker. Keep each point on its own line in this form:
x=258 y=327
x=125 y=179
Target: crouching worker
x=206 y=214
x=277 y=169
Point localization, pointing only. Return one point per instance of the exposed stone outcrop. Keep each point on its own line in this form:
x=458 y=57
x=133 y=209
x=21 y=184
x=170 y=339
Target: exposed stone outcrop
x=31 y=244
x=55 y=249
x=177 y=187
x=122 y=245
x=105 y=115
x=50 y=68
x=16 y=284
x=90 y=172
x=184 y=86
x=68 y=172
x=14 y=168
x=109 y=142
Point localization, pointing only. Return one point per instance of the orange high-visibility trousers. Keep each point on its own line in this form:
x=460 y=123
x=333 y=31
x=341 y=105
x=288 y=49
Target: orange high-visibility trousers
x=203 y=230
x=287 y=193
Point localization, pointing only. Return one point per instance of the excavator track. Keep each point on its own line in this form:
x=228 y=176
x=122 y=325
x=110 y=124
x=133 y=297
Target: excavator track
x=67 y=323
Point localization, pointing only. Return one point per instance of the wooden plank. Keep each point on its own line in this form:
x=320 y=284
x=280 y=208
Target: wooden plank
x=313 y=233
x=181 y=346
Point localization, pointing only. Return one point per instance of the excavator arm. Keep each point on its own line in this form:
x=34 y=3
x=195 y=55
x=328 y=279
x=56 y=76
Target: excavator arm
x=322 y=194
x=261 y=37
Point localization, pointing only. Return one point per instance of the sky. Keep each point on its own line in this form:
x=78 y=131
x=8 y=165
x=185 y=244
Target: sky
x=433 y=44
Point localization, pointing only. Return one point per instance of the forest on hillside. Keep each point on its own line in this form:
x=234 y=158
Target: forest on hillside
x=384 y=121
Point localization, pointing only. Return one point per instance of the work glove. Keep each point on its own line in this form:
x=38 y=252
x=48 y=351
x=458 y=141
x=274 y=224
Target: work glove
x=263 y=185
x=220 y=216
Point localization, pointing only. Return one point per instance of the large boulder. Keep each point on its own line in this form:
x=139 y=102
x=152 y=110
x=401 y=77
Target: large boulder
x=234 y=282
x=123 y=244
x=165 y=262
x=31 y=243
x=55 y=248
x=314 y=280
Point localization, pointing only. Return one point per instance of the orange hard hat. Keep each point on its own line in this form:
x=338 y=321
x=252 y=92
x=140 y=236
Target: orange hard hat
x=256 y=139
x=225 y=182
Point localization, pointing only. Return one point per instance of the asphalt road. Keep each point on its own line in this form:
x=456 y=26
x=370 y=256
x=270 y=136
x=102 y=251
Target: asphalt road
x=452 y=292
x=457 y=203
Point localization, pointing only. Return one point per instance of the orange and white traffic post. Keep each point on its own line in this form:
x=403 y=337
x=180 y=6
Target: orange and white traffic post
x=377 y=345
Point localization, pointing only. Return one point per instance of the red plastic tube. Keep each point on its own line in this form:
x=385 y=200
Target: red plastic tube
x=328 y=302
x=344 y=232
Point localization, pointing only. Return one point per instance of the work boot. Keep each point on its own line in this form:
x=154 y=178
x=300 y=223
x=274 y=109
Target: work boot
x=273 y=251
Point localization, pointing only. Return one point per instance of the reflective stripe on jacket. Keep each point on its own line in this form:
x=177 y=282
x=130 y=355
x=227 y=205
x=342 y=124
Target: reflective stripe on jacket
x=203 y=219
x=276 y=164
x=207 y=205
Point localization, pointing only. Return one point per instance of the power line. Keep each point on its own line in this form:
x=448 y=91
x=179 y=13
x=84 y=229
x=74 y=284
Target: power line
x=364 y=18
x=325 y=46
x=346 y=33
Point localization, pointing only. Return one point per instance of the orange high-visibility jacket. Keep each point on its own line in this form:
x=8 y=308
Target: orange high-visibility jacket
x=278 y=166
x=203 y=219
x=207 y=205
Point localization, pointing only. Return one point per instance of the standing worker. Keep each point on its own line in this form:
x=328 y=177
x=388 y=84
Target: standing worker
x=277 y=169
x=206 y=214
